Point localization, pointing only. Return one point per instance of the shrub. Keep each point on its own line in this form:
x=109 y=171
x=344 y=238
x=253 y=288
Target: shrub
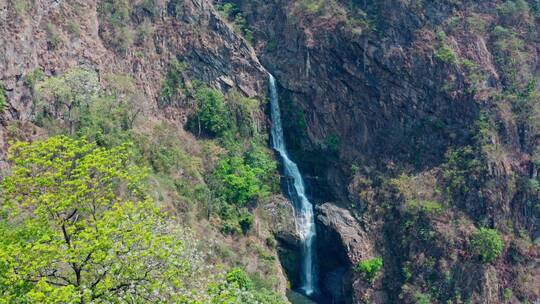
x=446 y=55
x=370 y=268
x=422 y=298
x=3 y=98
x=332 y=143
x=239 y=288
x=246 y=222
x=513 y=8
x=233 y=13
x=238 y=182
x=243 y=114
x=264 y=165
x=426 y=206
x=487 y=243
x=32 y=78
x=61 y=99
x=239 y=278
x=173 y=83
x=212 y=115
x=229 y=10
x=75 y=103
x=22 y=6
x=462 y=170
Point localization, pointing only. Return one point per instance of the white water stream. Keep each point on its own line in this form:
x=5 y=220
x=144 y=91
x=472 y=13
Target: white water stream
x=303 y=209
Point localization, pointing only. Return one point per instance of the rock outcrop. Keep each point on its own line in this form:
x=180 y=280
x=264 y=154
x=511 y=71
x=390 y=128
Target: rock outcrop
x=343 y=243
x=339 y=227
x=281 y=213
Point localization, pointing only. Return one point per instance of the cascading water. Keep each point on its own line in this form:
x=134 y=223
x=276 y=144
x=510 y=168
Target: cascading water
x=303 y=209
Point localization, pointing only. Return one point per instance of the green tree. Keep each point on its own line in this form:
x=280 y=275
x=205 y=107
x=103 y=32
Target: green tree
x=61 y=100
x=212 y=114
x=238 y=182
x=173 y=83
x=3 y=99
x=370 y=268
x=487 y=243
x=109 y=118
x=76 y=227
x=239 y=288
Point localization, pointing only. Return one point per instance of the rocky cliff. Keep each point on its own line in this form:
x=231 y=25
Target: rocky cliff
x=139 y=39
x=420 y=117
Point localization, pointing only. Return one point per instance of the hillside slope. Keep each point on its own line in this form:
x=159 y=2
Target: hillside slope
x=142 y=72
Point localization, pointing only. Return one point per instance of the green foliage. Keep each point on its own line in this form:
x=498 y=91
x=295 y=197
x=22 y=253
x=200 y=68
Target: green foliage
x=240 y=24
x=144 y=31
x=227 y=120
x=212 y=114
x=535 y=8
x=61 y=100
x=462 y=170
x=507 y=294
x=3 y=97
x=446 y=55
x=229 y=9
x=476 y=23
x=238 y=288
x=239 y=182
x=81 y=228
x=77 y=227
x=75 y=102
x=370 y=268
x=173 y=84
x=149 y=7
x=313 y=6
x=332 y=143
x=425 y=206
x=422 y=298
x=407 y=272
x=109 y=118
x=510 y=55
x=513 y=9
x=487 y=243
x=233 y=13
x=243 y=113
x=246 y=222
x=32 y=78
x=239 y=278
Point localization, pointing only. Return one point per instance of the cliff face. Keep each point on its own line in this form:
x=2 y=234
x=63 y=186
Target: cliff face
x=422 y=119
x=140 y=42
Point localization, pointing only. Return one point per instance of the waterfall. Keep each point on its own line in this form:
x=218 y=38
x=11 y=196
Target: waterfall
x=303 y=209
